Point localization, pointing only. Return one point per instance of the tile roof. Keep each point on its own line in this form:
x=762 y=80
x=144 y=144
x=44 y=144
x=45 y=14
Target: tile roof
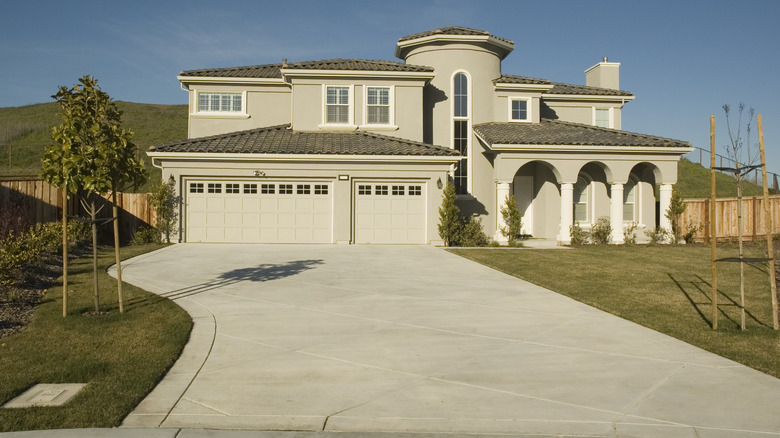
x=274 y=70
x=556 y=132
x=452 y=30
x=282 y=140
x=560 y=88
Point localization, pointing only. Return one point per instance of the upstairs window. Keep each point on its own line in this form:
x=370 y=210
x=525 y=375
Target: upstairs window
x=461 y=130
x=519 y=111
x=378 y=105
x=337 y=104
x=461 y=95
x=601 y=118
x=220 y=102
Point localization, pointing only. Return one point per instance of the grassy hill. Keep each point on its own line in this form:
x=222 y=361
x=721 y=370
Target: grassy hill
x=27 y=129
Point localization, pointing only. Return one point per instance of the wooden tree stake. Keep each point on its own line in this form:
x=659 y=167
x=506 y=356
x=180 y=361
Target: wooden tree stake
x=713 y=228
x=768 y=226
x=116 y=253
x=64 y=251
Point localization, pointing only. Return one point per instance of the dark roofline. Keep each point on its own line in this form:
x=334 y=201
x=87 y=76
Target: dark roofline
x=453 y=30
x=274 y=70
x=561 y=88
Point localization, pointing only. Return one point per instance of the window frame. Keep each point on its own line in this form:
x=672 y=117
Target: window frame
x=350 y=106
x=219 y=113
x=390 y=107
x=635 y=202
x=528 y=109
x=588 y=191
x=461 y=118
x=610 y=118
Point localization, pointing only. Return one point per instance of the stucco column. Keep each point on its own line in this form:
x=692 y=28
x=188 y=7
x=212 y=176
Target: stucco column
x=502 y=191
x=616 y=213
x=664 y=202
x=567 y=213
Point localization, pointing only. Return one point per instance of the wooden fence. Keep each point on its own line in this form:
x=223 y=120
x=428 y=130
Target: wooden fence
x=698 y=212
x=44 y=204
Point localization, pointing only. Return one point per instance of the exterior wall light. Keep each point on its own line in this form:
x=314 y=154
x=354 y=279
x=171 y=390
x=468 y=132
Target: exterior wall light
x=172 y=181
x=438 y=183
x=259 y=173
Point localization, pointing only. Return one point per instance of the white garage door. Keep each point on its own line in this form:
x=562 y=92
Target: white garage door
x=265 y=212
x=391 y=212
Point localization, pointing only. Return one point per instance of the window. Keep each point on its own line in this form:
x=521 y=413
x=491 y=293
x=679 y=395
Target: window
x=303 y=189
x=269 y=189
x=320 y=189
x=196 y=187
x=415 y=190
x=250 y=188
x=398 y=190
x=284 y=189
x=519 y=110
x=231 y=188
x=364 y=190
x=337 y=102
x=601 y=118
x=378 y=105
x=214 y=188
x=461 y=130
x=629 y=200
x=380 y=190
x=219 y=102
x=581 y=200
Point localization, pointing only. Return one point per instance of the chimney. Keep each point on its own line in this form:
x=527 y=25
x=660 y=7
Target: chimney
x=605 y=74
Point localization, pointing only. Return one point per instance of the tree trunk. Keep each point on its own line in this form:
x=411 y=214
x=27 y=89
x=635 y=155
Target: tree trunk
x=64 y=251
x=92 y=215
x=741 y=263
x=115 y=212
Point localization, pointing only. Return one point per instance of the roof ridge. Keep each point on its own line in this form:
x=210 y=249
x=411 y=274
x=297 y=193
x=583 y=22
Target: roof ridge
x=609 y=91
x=223 y=136
x=617 y=131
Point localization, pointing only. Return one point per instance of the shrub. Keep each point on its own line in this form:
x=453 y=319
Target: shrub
x=657 y=235
x=165 y=204
x=578 y=235
x=513 y=219
x=692 y=229
x=472 y=233
x=449 y=216
x=629 y=234
x=146 y=235
x=13 y=220
x=674 y=214
x=601 y=231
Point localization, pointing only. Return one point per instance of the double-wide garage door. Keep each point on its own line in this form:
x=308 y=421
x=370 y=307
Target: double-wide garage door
x=303 y=212
x=268 y=212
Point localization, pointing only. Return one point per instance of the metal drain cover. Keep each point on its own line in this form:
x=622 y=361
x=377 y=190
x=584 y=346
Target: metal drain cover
x=46 y=394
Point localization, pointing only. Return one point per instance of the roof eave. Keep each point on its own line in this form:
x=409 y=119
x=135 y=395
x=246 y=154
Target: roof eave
x=293 y=72
x=523 y=87
x=675 y=150
x=229 y=80
x=505 y=47
x=223 y=156
x=589 y=97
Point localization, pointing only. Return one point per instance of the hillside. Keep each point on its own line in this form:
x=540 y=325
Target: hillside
x=26 y=130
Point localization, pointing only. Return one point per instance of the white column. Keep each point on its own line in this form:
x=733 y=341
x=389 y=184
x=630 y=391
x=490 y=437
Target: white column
x=664 y=202
x=616 y=213
x=502 y=191
x=567 y=213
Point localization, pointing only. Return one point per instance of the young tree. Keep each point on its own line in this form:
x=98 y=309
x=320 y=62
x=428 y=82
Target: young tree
x=96 y=149
x=165 y=205
x=674 y=214
x=513 y=219
x=449 y=216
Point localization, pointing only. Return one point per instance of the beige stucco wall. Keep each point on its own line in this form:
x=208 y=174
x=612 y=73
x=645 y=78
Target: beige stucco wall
x=580 y=111
x=266 y=105
x=308 y=105
x=317 y=169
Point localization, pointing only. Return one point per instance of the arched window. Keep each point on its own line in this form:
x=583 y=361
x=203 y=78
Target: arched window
x=630 y=191
x=581 y=195
x=461 y=129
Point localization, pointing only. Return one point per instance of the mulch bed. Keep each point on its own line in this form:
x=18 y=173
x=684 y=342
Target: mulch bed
x=18 y=301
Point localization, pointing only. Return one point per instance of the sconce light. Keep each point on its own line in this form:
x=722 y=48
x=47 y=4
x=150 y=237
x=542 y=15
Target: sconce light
x=259 y=173
x=438 y=183
x=171 y=181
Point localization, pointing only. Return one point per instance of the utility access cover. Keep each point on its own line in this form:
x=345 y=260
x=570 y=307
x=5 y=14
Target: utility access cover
x=46 y=394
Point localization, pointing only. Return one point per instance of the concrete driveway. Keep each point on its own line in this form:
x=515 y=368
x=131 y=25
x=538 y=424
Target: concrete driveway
x=415 y=339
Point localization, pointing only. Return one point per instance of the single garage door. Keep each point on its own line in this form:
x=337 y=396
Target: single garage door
x=390 y=212
x=259 y=212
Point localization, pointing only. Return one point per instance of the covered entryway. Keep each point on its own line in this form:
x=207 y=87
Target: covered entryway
x=259 y=211
x=390 y=212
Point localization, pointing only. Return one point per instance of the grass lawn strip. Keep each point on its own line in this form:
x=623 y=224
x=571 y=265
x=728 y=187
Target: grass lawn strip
x=667 y=289
x=121 y=357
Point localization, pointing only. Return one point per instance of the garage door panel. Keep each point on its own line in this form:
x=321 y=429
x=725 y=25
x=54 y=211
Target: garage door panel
x=272 y=212
x=392 y=212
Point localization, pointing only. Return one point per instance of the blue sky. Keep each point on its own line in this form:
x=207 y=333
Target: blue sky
x=682 y=59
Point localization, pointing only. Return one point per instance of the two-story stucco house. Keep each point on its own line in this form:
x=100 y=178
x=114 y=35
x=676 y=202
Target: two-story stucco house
x=358 y=151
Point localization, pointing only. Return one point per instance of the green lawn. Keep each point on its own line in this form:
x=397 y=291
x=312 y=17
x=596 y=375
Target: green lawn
x=121 y=357
x=665 y=288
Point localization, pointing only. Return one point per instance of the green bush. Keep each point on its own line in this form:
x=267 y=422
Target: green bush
x=472 y=234
x=449 y=216
x=145 y=236
x=629 y=234
x=578 y=236
x=657 y=235
x=513 y=219
x=690 y=233
x=601 y=231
